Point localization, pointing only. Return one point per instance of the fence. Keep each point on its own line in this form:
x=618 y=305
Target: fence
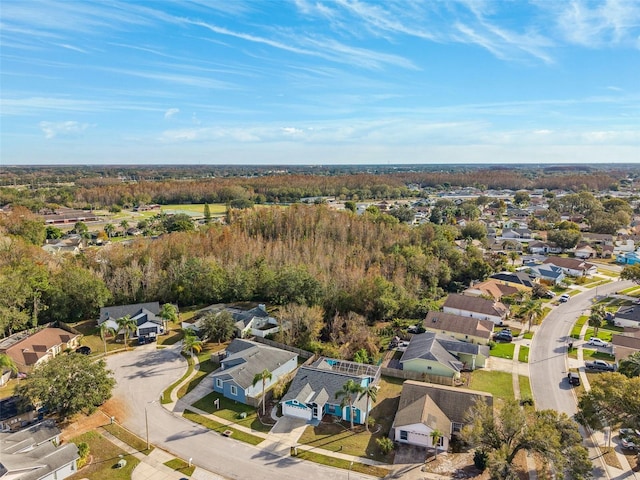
x=421 y=377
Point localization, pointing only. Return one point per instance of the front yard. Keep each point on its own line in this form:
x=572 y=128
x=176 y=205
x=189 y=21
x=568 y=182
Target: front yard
x=232 y=411
x=103 y=457
x=499 y=384
x=337 y=437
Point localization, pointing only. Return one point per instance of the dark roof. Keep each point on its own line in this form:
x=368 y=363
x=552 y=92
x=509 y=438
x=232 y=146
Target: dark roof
x=569 y=263
x=425 y=346
x=452 y=401
x=515 y=277
x=243 y=317
x=246 y=359
x=629 y=313
x=118 y=311
x=319 y=382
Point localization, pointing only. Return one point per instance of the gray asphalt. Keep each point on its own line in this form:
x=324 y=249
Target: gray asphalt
x=142 y=374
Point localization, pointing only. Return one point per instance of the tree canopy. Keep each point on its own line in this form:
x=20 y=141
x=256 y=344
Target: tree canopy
x=68 y=384
x=613 y=399
x=554 y=436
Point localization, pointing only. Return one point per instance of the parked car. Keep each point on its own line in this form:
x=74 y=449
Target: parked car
x=600 y=365
x=574 y=378
x=630 y=433
x=84 y=350
x=597 y=342
x=503 y=336
x=628 y=444
x=564 y=298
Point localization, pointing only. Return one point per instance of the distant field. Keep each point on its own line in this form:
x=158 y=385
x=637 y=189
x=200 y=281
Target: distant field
x=195 y=209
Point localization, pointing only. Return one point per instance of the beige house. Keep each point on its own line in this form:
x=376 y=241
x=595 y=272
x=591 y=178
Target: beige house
x=466 y=329
x=425 y=407
x=476 y=307
x=28 y=351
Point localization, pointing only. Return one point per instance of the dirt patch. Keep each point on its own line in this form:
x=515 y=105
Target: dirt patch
x=82 y=424
x=115 y=408
x=455 y=465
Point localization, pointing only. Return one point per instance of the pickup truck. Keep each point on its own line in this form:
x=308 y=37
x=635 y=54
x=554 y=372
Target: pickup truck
x=600 y=365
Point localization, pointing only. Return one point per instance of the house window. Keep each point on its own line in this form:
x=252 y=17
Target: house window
x=234 y=390
x=441 y=442
x=428 y=368
x=218 y=383
x=404 y=435
x=456 y=427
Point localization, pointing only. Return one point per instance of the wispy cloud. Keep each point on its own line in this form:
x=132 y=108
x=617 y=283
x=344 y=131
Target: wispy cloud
x=68 y=128
x=171 y=112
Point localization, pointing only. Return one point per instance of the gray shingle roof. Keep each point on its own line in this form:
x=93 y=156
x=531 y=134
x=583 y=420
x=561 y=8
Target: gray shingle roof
x=475 y=304
x=253 y=358
x=427 y=347
x=320 y=376
x=450 y=322
x=423 y=410
x=118 y=311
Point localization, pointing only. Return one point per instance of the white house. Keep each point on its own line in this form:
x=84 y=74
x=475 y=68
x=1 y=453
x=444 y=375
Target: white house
x=476 y=307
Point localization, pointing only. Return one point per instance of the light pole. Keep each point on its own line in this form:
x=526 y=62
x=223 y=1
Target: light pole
x=349 y=471
x=146 y=420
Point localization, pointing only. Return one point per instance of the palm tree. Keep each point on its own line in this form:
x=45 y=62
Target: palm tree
x=597 y=318
x=513 y=255
x=169 y=313
x=7 y=363
x=124 y=224
x=531 y=310
x=191 y=342
x=109 y=229
x=371 y=392
x=264 y=377
x=105 y=330
x=126 y=325
x=435 y=435
x=630 y=366
x=348 y=393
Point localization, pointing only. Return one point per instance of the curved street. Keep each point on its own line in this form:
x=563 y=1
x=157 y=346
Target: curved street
x=548 y=357
x=142 y=374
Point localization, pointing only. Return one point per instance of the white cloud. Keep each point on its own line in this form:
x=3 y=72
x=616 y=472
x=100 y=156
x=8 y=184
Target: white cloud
x=171 y=112
x=68 y=128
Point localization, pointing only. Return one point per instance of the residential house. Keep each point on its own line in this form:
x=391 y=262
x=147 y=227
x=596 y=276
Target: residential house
x=626 y=343
x=516 y=234
x=148 y=323
x=243 y=361
x=573 y=266
x=35 y=453
x=627 y=317
x=425 y=407
x=14 y=416
x=28 y=351
x=600 y=239
x=255 y=322
x=492 y=288
x=547 y=273
x=628 y=258
x=516 y=279
x=544 y=248
x=476 y=307
x=584 y=251
x=440 y=355
x=465 y=329
x=312 y=393
x=72 y=244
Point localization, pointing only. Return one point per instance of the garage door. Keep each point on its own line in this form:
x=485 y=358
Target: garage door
x=297 y=412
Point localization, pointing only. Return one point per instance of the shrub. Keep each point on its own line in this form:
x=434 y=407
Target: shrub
x=83 y=451
x=480 y=458
x=384 y=444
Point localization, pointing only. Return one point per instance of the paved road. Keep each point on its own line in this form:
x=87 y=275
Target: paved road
x=547 y=358
x=143 y=373
x=548 y=361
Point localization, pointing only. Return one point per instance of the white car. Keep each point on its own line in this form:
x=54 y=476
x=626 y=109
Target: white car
x=597 y=342
x=564 y=297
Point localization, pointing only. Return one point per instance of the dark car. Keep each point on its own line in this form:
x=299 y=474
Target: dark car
x=503 y=336
x=574 y=378
x=84 y=350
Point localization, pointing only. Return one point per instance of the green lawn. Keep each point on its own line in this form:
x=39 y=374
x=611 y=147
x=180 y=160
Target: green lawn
x=338 y=437
x=523 y=354
x=166 y=395
x=219 y=427
x=127 y=437
x=525 y=387
x=499 y=384
x=630 y=290
x=577 y=327
x=345 y=464
x=605 y=333
x=105 y=455
x=502 y=350
x=181 y=466
x=231 y=411
x=588 y=354
x=9 y=389
x=528 y=335
x=216 y=209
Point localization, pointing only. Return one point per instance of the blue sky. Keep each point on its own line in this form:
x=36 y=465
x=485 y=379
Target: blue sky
x=319 y=82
